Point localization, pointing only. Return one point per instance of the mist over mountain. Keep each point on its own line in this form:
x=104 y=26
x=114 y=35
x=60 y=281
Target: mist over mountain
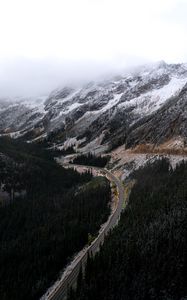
x=93 y=150
x=25 y=77
x=146 y=105
x=47 y=44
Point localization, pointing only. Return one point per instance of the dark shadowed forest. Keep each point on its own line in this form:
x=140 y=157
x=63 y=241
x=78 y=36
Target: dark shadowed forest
x=42 y=227
x=91 y=160
x=145 y=257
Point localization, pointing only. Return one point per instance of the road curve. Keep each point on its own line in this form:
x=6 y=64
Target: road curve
x=61 y=289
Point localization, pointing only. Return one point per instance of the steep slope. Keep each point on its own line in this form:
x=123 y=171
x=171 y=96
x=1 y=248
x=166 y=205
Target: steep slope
x=127 y=109
x=147 y=105
x=167 y=122
x=19 y=115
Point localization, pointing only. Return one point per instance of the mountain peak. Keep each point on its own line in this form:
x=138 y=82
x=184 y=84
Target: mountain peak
x=107 y=111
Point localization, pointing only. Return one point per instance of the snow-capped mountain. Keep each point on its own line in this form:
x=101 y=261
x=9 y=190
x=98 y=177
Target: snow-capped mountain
x=20 y=115
x=147 y=105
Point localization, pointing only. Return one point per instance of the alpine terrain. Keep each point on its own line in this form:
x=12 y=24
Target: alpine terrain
x=145 y=106
x=93 y=189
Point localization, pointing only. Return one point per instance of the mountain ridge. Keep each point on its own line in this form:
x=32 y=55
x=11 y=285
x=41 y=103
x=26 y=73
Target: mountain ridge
x=146 y=105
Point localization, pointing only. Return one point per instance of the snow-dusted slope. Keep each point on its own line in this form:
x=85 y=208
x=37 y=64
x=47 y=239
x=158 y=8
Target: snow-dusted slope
x=107 y=112
x=20 y=114
x=152 y=100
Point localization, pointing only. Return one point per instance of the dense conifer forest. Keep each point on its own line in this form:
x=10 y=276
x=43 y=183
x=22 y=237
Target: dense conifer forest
x=91 y=160
x=145 y=257
x=43 y=227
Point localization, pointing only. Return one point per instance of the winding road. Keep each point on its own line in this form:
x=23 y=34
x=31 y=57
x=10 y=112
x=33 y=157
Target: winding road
x=61 y=289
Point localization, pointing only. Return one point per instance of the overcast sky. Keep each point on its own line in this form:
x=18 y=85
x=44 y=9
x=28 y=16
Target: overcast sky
x=48 y=43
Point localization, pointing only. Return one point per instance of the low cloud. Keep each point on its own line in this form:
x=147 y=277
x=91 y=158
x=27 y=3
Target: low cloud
x=47 y=43
x=26 y=77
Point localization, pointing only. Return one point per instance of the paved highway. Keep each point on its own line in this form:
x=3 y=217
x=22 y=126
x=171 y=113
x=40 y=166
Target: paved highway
x=60 y=291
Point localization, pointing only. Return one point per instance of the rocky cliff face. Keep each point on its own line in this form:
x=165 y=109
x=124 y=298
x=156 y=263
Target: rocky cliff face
x=148 y=105
x=167 y=122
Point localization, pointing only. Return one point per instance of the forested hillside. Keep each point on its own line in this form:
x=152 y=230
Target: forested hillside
x=91 y=160
x=145 y=257
x=43 y=227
